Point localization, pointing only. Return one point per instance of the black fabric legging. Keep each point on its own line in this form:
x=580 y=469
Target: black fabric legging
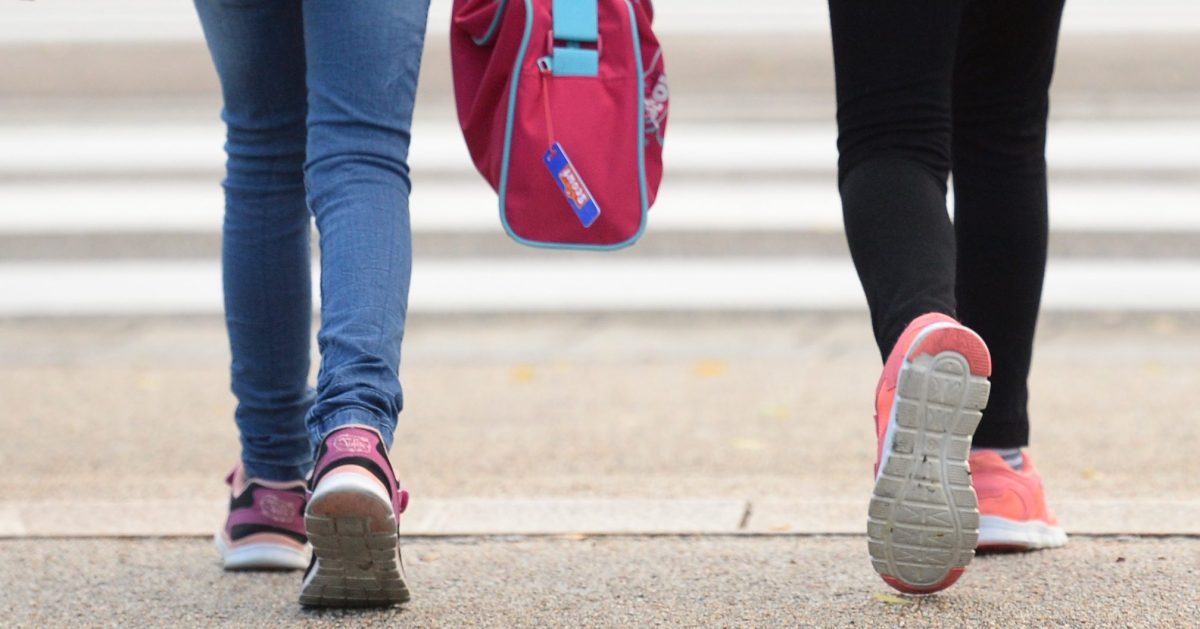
x=926 y=87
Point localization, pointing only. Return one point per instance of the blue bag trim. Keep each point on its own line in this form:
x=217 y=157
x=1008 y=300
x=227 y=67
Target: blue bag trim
x=576 y=20
x=640 y=130
x=487 y=37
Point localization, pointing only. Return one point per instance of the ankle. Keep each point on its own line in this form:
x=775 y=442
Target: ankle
x=1014 y=457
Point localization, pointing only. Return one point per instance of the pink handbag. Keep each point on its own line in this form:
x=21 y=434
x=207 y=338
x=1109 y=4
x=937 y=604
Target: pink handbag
x=563 y=104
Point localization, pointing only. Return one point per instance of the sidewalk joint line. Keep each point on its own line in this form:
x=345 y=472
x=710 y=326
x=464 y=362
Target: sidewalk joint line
x=746 y=513
x=627 y=535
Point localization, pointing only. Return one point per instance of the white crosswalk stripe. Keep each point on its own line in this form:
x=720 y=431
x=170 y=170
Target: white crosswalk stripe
x=470 y=206
x=491 y=285
x=1112 y=177
x=709 y=149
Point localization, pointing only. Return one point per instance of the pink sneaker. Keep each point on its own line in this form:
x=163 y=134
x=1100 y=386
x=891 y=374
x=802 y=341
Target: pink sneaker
x=1012 y=505
x=352 y=520
x=923 y=521
x=265 y=527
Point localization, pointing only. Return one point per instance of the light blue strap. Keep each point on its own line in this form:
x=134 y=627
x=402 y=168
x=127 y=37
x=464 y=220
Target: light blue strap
x=575 y=62
x=576 y=20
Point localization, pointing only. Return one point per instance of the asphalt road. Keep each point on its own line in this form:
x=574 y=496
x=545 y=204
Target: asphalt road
x=608 y=582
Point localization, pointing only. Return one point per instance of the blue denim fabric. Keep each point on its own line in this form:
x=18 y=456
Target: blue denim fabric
x=318 y=108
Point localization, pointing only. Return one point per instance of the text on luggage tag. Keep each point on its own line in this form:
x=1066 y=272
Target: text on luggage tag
x=571 y=184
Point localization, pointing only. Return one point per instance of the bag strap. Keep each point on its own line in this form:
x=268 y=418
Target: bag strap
x=576 y=22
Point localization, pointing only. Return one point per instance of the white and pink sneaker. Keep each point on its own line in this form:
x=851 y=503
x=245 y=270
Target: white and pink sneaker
x=265 y=527
x=352 y=519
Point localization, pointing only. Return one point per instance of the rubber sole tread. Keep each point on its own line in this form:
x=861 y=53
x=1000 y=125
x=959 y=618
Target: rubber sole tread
x=923 y=520
x=356 y=555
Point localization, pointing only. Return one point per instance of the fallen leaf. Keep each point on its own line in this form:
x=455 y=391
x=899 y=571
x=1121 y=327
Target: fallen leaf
x=709 y=368
x=149 y=382
x=749 y=444
x=889 y=599
x=428 y=557
x=1091 y=473
x=522 y=374
x=775 y=411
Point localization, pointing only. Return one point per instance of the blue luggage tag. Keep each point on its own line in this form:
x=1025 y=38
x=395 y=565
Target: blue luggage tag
x=571 y=184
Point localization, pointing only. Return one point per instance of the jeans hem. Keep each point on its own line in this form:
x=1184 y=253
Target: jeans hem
x=276 y=473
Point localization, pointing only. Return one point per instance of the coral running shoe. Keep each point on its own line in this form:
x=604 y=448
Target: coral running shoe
x=1012 y=505
x=265 y=527
x=352 y=521
x=923 y=519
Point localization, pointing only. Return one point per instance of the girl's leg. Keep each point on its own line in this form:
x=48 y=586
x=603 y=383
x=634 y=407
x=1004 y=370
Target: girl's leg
x=1001 y=101
x=363 y=58
x=258 y=49
x=894 y=63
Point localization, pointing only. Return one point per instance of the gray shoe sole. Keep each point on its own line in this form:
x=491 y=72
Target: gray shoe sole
x=924 y=518
x=356 y=547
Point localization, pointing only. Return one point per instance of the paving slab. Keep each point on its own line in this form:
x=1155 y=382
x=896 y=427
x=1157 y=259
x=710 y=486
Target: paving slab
x=441 y=517
x=610 y=582
x=571 y=516
x=1129 y=516
x=574 y=515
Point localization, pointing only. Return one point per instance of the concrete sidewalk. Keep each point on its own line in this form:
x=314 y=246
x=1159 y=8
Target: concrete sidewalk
x=581 y=582
x=749 y=432
x=773 y=411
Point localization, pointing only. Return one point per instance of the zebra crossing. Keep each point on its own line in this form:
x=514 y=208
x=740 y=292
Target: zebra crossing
x=1116 y=179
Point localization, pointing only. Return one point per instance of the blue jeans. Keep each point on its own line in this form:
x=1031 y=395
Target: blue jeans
x=318 y=108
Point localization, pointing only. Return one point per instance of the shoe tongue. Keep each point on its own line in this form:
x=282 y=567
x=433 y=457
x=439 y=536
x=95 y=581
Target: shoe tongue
x=237 y=480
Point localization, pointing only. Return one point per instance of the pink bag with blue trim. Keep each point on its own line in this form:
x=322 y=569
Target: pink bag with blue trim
x=563 y=104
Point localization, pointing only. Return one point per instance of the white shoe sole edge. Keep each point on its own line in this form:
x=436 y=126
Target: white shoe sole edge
x=923 y=520
x=260 y=556
x=995 y=531
x=352 y=529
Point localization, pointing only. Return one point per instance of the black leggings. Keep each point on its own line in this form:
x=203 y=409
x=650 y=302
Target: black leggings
x=926 y=87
